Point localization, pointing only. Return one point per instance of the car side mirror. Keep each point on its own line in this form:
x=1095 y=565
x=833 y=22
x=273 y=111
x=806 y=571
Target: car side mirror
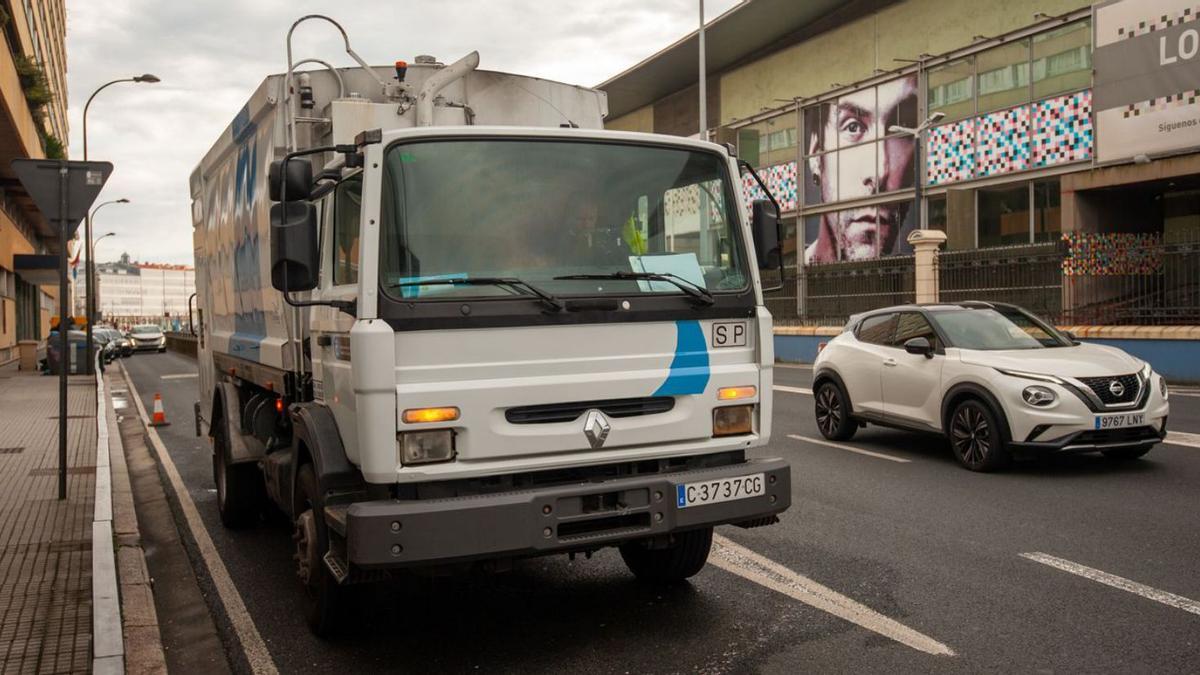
x=919 y=345
x=765 y=228
x=1071 y=336
x=298 y=180
x=295 y=255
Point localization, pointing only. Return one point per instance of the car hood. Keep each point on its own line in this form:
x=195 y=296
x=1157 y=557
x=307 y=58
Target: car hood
x=1086 y=360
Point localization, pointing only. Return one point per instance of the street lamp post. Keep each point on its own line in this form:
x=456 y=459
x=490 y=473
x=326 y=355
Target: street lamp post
x=918 y=135
x=90 y=297
x=96 y=271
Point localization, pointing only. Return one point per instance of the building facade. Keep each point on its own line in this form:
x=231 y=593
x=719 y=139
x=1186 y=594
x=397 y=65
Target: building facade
x=33 y=94
x=133 y=292
x=1055 y=142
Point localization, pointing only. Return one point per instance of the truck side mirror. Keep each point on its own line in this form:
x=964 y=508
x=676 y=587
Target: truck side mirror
x=299 y=179
x=765 y=227
x=295 y=251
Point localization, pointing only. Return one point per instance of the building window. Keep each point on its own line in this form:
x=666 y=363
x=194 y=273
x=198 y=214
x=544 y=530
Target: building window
x=1003 y=215
x=1003 y=76
x=935 y=216
x=1062 y=59
x=769 y=142
x=951 y=89
x=1047 y=210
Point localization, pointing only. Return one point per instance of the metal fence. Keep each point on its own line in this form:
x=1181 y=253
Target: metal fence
x=1159 y=285
x=1029 y=275
x=834 y=291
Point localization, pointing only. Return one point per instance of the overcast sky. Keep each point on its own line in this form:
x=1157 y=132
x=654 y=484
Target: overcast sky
x=211 y=55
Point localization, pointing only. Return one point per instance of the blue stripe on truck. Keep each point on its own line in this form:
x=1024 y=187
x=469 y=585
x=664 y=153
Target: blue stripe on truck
x=689 y=369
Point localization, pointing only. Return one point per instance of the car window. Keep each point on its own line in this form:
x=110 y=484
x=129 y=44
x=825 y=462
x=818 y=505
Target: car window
x=877 y=329
x=347 y=207
x=1031 y=326
x=913 y=325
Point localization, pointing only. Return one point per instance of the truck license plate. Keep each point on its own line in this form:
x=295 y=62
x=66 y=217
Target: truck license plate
x=1120 y=421
x=720 y=490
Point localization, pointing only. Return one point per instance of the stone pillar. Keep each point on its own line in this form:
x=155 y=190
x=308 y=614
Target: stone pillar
x=925 y=245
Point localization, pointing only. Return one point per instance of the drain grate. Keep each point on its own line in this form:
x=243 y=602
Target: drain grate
x=11 y=451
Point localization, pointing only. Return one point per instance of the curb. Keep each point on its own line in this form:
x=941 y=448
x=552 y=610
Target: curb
x=108 y=649
x=116 y=545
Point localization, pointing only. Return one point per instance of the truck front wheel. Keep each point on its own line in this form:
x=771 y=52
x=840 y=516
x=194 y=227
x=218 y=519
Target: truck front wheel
x=240 y=488
x=312 y=542
x=682 y=559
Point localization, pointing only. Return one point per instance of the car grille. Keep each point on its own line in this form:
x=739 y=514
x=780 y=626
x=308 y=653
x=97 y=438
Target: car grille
x=1101 y=386
x=565 y=412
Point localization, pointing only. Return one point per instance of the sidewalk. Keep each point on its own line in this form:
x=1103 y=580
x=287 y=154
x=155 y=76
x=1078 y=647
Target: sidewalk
x=45 y=544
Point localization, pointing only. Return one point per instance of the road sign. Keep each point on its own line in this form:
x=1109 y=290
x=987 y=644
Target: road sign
x=64 y=191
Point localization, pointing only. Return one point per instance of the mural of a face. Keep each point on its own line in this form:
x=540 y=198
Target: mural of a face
x=862 y=169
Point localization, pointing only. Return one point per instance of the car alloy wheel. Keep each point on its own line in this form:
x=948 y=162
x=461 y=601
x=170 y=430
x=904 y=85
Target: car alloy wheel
x=829 y=410
x=971 y=435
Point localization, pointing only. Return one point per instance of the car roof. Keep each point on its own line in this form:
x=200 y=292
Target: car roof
x=932 y=307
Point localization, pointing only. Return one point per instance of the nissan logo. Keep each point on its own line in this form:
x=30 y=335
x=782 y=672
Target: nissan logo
x=1116 y=388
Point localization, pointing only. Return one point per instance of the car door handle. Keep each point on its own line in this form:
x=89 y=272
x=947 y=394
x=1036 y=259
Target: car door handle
x=889 y=362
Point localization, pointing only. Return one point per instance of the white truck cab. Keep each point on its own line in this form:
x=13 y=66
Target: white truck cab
x=455 y=321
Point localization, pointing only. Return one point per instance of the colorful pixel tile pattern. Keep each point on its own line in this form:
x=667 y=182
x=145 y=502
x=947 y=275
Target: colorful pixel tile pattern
x=1045 y=133
x=1112 y=254
x=1002 y=142
x=950 y=153
x=1062 y=129
x=780 y=180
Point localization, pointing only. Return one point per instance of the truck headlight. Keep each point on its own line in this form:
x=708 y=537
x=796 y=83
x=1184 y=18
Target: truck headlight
x=1039 y=396
x=426 y=447
x=734 y=420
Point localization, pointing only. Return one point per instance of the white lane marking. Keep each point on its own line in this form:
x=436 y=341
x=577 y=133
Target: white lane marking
x=252 y=642
x=850 y=448
x=1176 y=601
x=792 y=390
x=1183 y=438
x=1193 y=393
x=179 y=376
x=743 y=562
x=797 y=366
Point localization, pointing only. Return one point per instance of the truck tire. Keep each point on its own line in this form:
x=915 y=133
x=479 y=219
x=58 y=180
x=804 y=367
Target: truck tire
x=683 y=559
x=240 y=487
x=325 y=598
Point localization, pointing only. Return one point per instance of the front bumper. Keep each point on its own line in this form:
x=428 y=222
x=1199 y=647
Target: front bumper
x=148 y=346
x=1092 y=440
x=402 y=533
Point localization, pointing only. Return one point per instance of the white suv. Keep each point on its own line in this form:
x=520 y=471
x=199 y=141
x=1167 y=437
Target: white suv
x=993 y=378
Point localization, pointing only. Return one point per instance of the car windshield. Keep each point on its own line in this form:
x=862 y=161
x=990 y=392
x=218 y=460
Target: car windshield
x=145 y=330
x=995 y=329
x=540 y=210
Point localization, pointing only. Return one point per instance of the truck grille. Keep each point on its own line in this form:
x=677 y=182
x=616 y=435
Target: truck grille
x=1130 y=388
x=566 y=412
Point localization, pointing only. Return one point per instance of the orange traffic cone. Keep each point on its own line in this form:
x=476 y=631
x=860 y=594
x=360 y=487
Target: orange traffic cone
x=159 y=418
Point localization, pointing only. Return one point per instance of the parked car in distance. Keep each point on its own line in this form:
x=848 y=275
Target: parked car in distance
x=147 y=338
x=993 y=378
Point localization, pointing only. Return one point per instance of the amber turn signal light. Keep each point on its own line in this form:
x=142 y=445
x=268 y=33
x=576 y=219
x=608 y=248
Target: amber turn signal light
x=735 y=393
x=425 y=415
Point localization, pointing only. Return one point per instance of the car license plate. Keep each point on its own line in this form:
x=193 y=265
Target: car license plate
x=720 y=490
x=1120 y=421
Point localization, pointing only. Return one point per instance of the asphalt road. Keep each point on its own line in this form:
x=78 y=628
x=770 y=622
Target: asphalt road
x=921 y=541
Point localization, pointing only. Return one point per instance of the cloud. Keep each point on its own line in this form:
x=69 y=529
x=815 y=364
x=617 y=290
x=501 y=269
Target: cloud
x=212 y=55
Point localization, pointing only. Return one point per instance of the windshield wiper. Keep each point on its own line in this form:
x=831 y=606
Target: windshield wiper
x=694 y=291
x=520 y=285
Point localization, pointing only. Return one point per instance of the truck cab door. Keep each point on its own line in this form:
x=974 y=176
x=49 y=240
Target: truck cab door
x=331 y=357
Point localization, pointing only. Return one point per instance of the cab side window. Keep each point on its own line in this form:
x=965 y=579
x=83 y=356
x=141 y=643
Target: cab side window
x=347 y=208
x=913 y=325
x=877 y=329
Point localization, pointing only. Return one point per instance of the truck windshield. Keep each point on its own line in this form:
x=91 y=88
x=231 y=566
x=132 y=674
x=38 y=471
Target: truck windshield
x=542 y=210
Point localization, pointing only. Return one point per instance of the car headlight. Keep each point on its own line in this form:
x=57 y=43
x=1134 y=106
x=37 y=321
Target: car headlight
x=1039 y=396
x=1162 y=386
x=1030 y=376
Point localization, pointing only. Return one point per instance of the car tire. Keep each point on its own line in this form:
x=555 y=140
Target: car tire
x=1126 y=454
x=682 y=559
x=831 y=408
x=976 y=438
x=326 y=600
x=240 y=487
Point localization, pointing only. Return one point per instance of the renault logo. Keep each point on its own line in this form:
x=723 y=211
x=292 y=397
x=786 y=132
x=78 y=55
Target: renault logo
x=595 y=427
x=1116 y=388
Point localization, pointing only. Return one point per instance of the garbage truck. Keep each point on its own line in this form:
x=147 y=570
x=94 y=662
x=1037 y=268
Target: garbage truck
x=446 y=321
